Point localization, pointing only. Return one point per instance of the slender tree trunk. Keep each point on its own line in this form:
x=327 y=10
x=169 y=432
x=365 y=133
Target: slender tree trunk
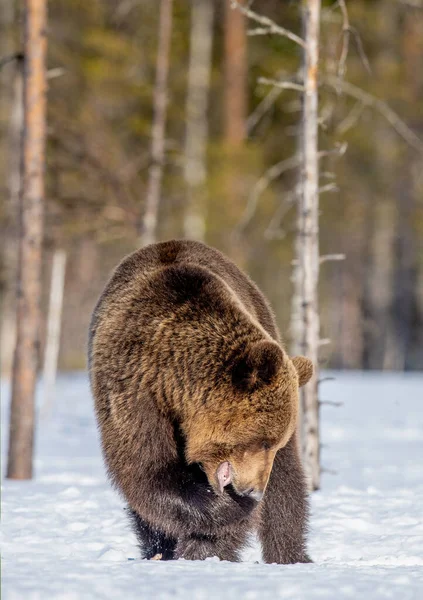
x=235 y=75
x=307 y=325
x=11 y=106
x=155 y=175
x=54 y=322
x=196 y=117
x=235 y=124
x=30 y=244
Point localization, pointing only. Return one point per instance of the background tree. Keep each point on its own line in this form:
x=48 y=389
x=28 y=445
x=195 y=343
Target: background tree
x=307 y=244
x=155 y=173
x=31 y=203
x=199 y=74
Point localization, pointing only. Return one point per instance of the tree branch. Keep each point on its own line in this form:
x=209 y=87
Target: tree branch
x=265 y=180
x=18 y=56
x=345 y=39
x=352 y=117
x=339 y=149
x=413 y=3
x=270 y=27
x=283 y=85
x=386 y=111
x=330 y=403
x=329 y=187
x=330 y=471
x=331 y=257
x=262 y=109
x=273 y=231
x=323 y=379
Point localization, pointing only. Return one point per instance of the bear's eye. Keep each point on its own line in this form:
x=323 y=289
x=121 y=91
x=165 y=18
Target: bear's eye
x=265 y=446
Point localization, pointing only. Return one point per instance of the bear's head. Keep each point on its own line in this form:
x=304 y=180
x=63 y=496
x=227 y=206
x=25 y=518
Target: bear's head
x=236 y=432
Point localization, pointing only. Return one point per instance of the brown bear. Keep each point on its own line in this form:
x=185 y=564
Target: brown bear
x=197 y=400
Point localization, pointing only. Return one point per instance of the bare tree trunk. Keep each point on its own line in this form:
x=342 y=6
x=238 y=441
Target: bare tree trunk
x=235 y=75
x=196 y=116
x=30 y=244
x=235 y=123
x=155 y=175
x=54 y=321
x=11 y=102
x=307 y=245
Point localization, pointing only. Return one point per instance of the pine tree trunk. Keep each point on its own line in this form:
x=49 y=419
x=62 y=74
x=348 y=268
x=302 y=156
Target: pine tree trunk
x=235 y=124
x=155 y=175
x=235 y=76
x=31 y=200
x=307 y=246
x=199 y=73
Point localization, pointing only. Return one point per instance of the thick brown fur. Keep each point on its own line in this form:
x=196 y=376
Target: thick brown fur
x=187 y=371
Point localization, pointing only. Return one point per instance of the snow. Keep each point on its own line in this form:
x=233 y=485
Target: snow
x=65 y=534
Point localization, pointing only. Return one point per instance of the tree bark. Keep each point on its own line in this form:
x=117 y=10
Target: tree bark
x=235 y=124
x=30 y=243
x=307 y=245
x=235 y=75
x=155 y=175
x=199 y=73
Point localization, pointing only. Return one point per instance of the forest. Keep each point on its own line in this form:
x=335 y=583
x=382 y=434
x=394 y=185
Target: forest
x=237 y=190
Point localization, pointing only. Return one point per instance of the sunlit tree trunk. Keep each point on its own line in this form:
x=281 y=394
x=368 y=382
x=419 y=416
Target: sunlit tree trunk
x=235 y=119
x=155 y=174
x=195 y=169
x=30 y=243
x=306 y=319
x=235 y=75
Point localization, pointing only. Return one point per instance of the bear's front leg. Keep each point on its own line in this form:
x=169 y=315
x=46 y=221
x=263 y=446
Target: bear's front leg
x=152 y=542
x=284 y=510
x=200 y=547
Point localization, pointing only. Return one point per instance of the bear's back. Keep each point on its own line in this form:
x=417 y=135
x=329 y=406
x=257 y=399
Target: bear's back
x=169 y=273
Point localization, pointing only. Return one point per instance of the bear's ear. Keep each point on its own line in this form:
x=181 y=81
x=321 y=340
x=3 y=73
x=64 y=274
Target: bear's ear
x=304 y=368
x=258 y=366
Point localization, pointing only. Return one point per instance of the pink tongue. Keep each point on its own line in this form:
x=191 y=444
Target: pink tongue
x=224 y=474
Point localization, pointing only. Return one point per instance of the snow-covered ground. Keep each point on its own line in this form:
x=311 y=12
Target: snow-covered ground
x=65 y=534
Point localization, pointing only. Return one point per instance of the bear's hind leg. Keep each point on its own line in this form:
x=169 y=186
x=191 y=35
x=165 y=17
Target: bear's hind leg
x=152 y=542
